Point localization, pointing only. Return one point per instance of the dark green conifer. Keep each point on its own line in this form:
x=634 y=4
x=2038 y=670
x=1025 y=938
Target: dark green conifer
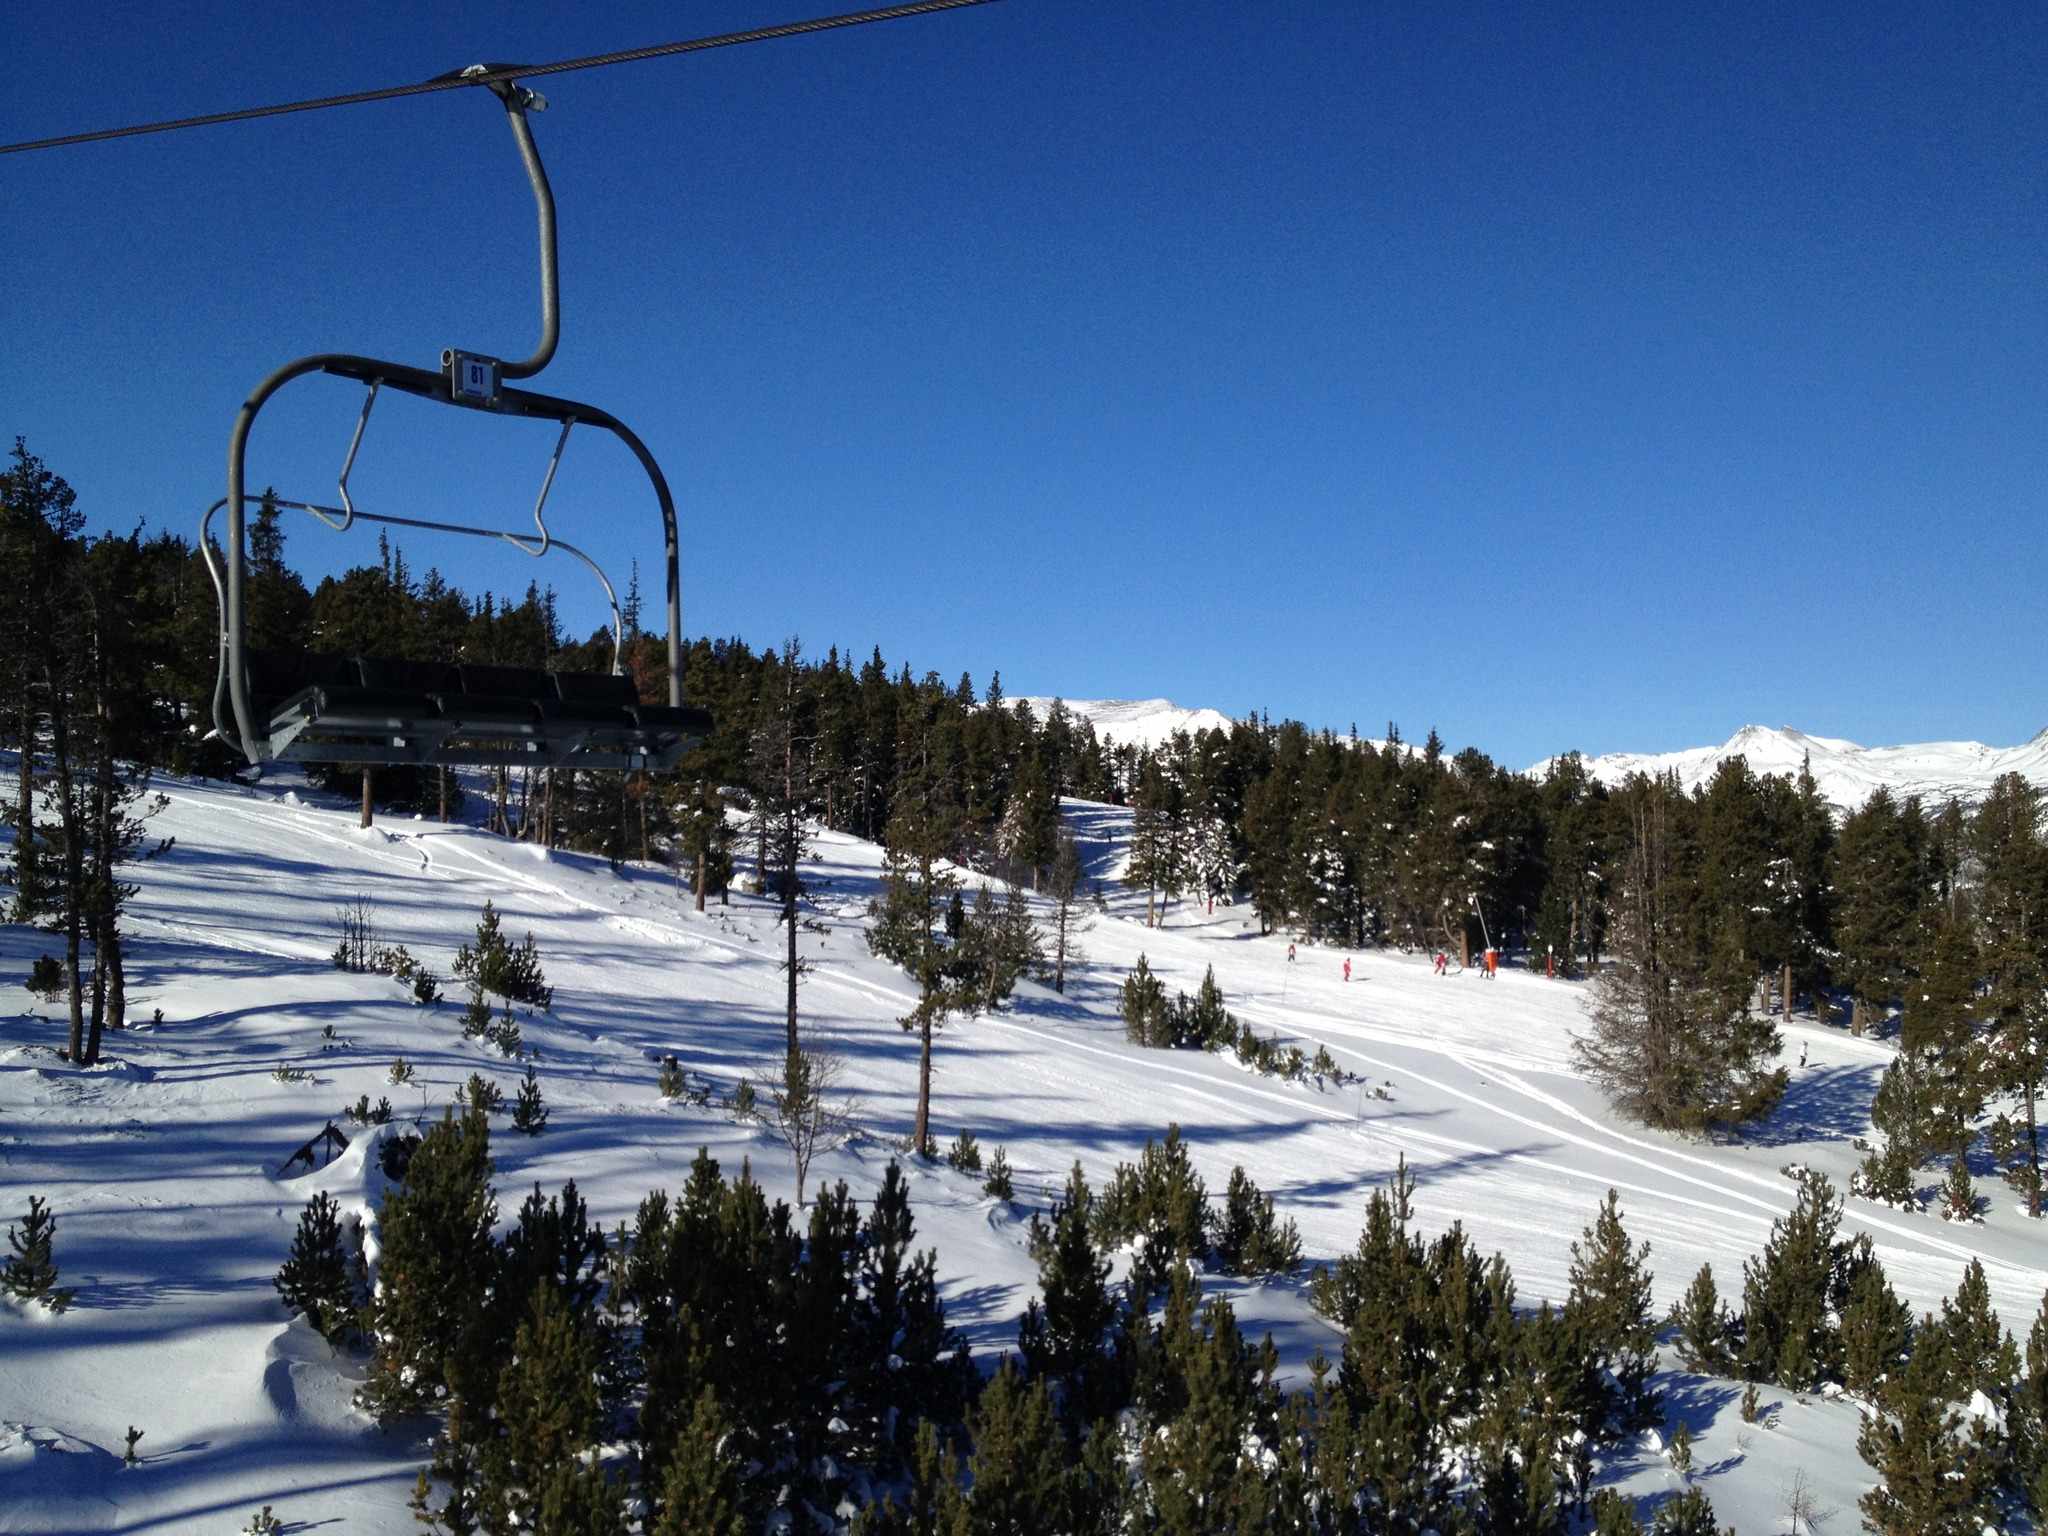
x=1936 y=1472
x=1787 y=1291
x=1064 y=1337
x=435 y=1265
x=529 y=1113
x=1877 y=1332
x=1019 y=1463
x=1702 y=1324
x=1143 y=1006
x=1610 y=1308
x=30 y=1273
x=700 y=1493
x=317 y=1277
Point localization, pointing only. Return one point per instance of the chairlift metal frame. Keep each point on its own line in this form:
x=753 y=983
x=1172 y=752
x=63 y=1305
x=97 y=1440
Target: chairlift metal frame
x=363 y=711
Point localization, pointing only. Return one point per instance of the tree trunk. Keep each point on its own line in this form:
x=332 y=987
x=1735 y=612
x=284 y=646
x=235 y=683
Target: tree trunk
x=117 y=979
x=2033 y=1156
x=921 y=1134
x=442 y=774
x=1785 y=990
x=703 y=868
x=366 y=797
x=25 y=819
x=791 y=963
x=1855 y=1015
x=645 y=856
x=98 y=1015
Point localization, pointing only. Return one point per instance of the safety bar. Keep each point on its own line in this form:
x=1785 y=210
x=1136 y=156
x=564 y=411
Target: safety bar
x=517 y=541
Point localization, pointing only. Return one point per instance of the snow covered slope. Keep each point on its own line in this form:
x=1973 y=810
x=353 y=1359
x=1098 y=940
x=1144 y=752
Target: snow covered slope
x=164 y=1164
x=1847 y=773
x=1137 y=722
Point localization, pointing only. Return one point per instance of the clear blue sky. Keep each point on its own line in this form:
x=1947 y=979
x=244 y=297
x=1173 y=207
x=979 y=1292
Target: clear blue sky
x=1556 y=376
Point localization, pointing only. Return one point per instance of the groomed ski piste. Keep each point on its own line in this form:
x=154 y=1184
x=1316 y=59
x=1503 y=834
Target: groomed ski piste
x=163 y=1163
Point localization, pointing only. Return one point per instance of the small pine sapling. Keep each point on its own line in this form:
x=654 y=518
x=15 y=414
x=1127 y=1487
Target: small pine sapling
x=1681 y=1449
x=476 y=1015
x=1958 y=1194
x=998 y=1183
x=285 y=1072
x=964 y=1155
x=529 y=1114
x=46 y=977
x=1752 y=1409
x=504 y=1034
x=30 y=1273
x=1325 y=1065
x=482 y=1092
x=426 y=987
x=744 y=1100
x=1614 y=1515
x=128 y=1457
x=263 y=1523
x=316 y=1277
x=669 y=1082
x=360 y=1112
x=401 y=1072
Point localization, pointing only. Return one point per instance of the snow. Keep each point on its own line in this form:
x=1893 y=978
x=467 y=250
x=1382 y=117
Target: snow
x=1136 y=722
x=1847 y=774
x=163 y=1166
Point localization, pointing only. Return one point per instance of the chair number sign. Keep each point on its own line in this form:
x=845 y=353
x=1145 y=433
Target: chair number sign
x=474 y=379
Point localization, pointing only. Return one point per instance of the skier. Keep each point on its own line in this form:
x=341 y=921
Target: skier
x=1442 y=960
x=1347 y=967
x=1290 y=954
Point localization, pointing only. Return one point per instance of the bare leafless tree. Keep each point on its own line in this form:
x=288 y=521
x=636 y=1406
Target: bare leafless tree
x=807 y=1108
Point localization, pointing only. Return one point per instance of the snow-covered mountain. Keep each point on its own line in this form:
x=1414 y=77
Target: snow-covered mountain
x=1847 y=773
x=1138 y=722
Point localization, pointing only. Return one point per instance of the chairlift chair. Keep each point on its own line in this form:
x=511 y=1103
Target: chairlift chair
x=314 y=708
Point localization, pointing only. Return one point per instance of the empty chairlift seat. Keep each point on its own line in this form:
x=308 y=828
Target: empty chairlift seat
x=326 y=708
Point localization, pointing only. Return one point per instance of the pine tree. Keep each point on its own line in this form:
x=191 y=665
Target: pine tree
x=547 y=1410
x=2029 y=1410
x=916 y=885
x=1935 y=1471
x=1690 y=1514
x=579 y=1498
x=1877 y=1332
x=496 y=967
x=1610 y=1306
x=1143 y=1005
x=30 y=1273
x=1702 y=1325
x=318 y=1276
x=1788 y=1290
x=1672 y=1043
x=2012 y=906
x=1880 y=878
x=434 y=1266
x=1019 y=1464
x=700 y=1494
x=1067 y=921
x=1967 y=1346
x=529 y=1113
x=705 y=837
x=1615 y=1515
x=1063 y=1338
